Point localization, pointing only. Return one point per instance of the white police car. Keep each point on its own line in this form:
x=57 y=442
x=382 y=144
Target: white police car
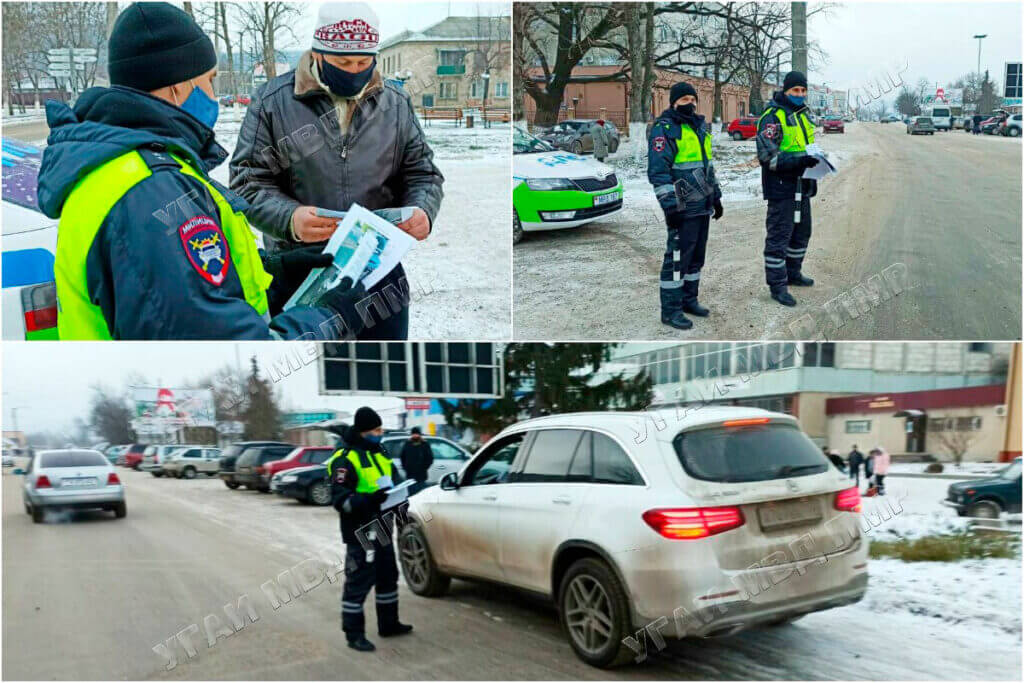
x=29 y=245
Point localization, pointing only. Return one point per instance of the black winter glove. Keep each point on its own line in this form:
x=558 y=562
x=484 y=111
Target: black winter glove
x=719 y=210
x=379 y=496
x=342 y=300
x=290 y=268
x=808 y=162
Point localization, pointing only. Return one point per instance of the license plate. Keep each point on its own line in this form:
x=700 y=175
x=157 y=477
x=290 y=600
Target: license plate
x=788 y=513
x=78 y=482
x=602 y=199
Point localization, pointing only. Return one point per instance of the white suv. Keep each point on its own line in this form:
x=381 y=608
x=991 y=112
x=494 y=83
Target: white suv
x=695 y=524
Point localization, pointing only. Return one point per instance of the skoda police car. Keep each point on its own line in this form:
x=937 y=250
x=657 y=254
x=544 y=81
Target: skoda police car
x=554 y=189
x=29 y=245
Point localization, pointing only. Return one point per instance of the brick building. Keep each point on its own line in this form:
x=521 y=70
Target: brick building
x=445 y=64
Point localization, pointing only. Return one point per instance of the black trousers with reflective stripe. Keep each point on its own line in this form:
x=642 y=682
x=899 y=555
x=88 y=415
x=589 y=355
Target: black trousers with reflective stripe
x=684 y=259
x=785 y=243
x=360 y=576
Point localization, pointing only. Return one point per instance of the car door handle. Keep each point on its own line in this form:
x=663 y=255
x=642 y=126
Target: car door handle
x=441 y=467
x=562 y=500
x=490 y=498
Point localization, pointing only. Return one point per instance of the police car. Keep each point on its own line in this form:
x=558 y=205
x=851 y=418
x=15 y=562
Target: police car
x=554 y=189
x=29 y=245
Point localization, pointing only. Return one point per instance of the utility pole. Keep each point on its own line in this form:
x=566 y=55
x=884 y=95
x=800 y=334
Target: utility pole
x=798 y=12
x=979 y=37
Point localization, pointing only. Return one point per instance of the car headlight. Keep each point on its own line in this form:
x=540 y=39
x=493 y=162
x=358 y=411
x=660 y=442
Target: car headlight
x=289 y=479
x=549 y=184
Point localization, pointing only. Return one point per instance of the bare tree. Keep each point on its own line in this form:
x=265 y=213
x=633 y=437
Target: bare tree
x=490 y=50
x=955 y=441
x=268 y=22
x=213 y=17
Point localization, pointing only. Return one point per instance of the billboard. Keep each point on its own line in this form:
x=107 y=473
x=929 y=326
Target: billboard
x=169 y=407
x=1012 y=81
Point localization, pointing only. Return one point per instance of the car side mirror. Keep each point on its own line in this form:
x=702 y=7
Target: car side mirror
x=450 y=482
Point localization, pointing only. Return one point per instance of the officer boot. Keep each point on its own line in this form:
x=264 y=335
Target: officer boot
x=388 y=624
x=361 y=644
x=690 y=305
x=799 y=280
x=782 y=295
x=672 y=309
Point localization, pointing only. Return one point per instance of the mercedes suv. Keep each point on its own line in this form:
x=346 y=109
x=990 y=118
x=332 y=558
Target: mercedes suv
x=697 y=524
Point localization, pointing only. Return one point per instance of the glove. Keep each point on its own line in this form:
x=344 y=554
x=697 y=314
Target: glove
x=290 y=268
x=674 y=219
x=379 y=496
x=808 y=162
x=719 y=210
x=342 y=300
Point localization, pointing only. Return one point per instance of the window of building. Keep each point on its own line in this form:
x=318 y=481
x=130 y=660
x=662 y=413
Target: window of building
x=501 y=89
x=980 y=347
x=858 y=426
x=448 y=90
x=451 y=57
x=819 y=355
x=968 y=424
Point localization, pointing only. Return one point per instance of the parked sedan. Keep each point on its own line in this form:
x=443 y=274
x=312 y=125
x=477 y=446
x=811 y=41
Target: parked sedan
x=574 y=136
x=303 y=456
x=833 y=124
x=71 y=479
x=742 y=128
x=154 y=457
x=922 y=125
x=620 y=535
x=227 y=462
x=132 y=456
x=251 y=464
x=190 y=461
x=1011 y=126
x=990 y=497
x=304 y=484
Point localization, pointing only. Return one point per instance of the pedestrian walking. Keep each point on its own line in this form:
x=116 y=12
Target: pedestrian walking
x=784 y=132
x=361 y=474
x=356 y=140
x=680 y=167
x=880 y=462
x=855 y=460
x=152 y=247
x=416 y=457
x=600 y=136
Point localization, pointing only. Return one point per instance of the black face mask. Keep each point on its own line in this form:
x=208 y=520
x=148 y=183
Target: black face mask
x=687 y=109
x=341 y=82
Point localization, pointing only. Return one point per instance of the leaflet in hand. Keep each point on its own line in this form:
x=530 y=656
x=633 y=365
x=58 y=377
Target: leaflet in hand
x=823 y=168
x=397 y=495
x=366 y=247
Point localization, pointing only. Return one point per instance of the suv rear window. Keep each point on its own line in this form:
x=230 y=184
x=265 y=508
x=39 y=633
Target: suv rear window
x=72 y=459
x=748 y=453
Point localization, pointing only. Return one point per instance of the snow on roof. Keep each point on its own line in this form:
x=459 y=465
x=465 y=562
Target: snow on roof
x=456 y=29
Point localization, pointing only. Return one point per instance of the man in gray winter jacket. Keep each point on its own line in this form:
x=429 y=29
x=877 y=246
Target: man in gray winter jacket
x=330 y=134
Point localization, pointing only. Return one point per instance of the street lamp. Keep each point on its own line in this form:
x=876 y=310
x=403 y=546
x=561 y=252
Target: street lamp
x=980 y=37
x=486 y=76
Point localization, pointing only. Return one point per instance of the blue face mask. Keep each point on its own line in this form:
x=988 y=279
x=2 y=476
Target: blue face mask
x=372 y=438
x=201 y=106
x=797 y=101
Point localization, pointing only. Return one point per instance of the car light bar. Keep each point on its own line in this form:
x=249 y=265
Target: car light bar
x=747 y=421
x=691 y=523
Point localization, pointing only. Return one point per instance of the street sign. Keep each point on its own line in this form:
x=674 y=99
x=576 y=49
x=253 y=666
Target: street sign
x=58 y=51
x=417 y=404
x=84 y=51
x=85 y=59
x=59 y=73
x=65 y=59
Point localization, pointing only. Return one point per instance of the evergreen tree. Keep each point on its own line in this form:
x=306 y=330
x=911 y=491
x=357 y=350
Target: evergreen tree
x=261 y=415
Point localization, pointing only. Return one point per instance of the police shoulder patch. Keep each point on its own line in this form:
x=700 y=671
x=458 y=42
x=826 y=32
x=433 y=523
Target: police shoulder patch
x=339 y=476
x=206 y=248
x=658 y=143
x=772 y=130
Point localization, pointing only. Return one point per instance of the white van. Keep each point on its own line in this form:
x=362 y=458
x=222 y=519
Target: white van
x=942 y=116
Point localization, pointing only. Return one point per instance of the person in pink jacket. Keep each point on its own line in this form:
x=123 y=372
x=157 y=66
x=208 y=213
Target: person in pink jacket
x=880 y=460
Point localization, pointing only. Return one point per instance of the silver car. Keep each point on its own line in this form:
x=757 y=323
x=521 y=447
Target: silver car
x=189 y=461
x=71 y=479
x=574 y=136
x=448 y=455
x=701 y=524
x=155 y=456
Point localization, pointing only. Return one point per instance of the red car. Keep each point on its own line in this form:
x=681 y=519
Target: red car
x=133 y=456
x=742 y=128
x=244 y=99
x=832 y=124
x=303 y=456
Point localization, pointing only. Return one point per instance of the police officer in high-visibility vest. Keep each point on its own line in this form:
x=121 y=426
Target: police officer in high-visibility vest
x=784 y=132
x=149 y=246
x=361 y=473
x=680 y=168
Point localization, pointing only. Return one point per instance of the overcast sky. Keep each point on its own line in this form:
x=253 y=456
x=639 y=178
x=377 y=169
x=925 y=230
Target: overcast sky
x=863 y=39
x=49 y=384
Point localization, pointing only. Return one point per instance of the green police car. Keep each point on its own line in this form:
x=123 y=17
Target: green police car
x=554 y=189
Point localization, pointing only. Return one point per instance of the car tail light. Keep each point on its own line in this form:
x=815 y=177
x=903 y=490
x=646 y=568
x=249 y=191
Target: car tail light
x=112 y=479
x=687 y=523
x=43 y=482
x=260 y=469
x=848 y=500
x=39 y=305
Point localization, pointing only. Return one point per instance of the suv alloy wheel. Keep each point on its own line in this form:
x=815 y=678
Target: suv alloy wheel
x=594 y=610
x=418 y=568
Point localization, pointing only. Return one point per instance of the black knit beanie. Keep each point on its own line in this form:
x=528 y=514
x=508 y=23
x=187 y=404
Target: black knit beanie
x=366 y=419
x=793 y=79
x=678 y=90
x=155 y=44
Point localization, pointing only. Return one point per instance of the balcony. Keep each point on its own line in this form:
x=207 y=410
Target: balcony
x=451 y=70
